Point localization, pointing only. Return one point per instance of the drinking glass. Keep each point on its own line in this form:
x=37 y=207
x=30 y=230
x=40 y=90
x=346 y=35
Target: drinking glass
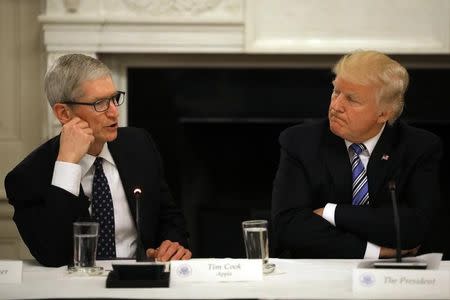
x=85 y=236
x=256 y=240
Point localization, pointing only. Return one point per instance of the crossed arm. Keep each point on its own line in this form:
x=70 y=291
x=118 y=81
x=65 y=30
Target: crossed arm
x=298 y=202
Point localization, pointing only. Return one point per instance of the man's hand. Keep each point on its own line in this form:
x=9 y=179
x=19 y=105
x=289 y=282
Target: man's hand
x=318 y=211
x=76 y=138
x=389 y=252
x=169 y=251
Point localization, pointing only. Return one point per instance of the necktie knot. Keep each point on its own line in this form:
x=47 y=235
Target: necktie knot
x=98 y=163
x=358 y=148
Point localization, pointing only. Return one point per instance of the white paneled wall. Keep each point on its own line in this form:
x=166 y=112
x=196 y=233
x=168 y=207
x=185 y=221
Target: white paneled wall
x=21 y=109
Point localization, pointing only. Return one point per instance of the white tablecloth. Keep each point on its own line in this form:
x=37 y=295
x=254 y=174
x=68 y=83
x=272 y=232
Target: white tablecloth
x=292 y=279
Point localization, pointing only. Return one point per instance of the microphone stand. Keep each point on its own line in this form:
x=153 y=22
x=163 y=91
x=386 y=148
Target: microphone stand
x=138 y=275
x=398 y=263
x=140 y=255
x=398 y=251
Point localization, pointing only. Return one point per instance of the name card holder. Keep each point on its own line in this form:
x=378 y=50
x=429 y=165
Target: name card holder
x=401 y=283
x=138 y=275
x=11 y=271
x=216 y=270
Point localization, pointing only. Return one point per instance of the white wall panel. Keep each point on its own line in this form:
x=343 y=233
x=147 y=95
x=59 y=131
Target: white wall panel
x=21 y=103
x=339 y=26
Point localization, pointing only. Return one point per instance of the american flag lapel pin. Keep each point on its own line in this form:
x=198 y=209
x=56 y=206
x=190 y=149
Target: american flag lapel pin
x=385 y=157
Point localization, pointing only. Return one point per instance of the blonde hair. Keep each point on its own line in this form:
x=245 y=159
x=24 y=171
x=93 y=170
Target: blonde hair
x=376 y=68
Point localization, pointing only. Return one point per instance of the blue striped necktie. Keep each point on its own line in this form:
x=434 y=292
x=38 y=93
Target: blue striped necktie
x=103 y=212
x=360 y=184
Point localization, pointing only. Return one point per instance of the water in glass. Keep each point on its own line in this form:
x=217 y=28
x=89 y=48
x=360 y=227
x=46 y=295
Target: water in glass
x=256 y=243
x=85 y=249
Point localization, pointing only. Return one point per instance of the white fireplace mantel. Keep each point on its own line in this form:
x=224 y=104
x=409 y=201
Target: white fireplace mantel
x=242 y=27
x=138 y=26
x=247 y=26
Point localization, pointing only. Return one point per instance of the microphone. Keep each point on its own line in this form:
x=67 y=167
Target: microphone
x=398 y=263
x=140 y=255
x=138 y=275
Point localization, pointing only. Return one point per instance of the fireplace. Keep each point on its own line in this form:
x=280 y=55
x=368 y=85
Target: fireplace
x=217 y=130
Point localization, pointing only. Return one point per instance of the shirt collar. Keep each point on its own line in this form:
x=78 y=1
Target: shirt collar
x=87 y=160
x=370 y=143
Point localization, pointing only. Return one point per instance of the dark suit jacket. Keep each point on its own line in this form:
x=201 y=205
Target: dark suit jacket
x=44 y=213
x=315 y=170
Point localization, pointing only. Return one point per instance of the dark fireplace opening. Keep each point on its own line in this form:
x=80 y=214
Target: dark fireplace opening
x=217 y=130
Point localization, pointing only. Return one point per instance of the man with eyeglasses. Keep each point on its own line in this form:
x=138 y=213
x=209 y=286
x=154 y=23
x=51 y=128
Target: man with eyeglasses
x=89 y=172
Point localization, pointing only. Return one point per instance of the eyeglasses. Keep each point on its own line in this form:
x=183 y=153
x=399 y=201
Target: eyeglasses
x=102 y=105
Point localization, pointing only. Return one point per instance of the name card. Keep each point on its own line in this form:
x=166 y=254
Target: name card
x=401 y=283
x=10 y=271
x=216 y=270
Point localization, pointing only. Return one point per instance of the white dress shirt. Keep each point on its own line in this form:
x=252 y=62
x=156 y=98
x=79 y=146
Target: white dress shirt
x=69 y=176
x=372 y=250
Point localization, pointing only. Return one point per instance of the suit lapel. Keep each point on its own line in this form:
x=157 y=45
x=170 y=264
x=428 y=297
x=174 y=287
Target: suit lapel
x=124 y=161
x=381 y=162
x=337 y=162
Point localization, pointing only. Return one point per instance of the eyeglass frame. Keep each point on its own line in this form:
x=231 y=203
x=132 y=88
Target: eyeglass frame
x=120 y=94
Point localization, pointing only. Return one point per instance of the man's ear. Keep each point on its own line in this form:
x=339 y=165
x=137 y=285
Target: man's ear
x=384 y=115
x=62 y=112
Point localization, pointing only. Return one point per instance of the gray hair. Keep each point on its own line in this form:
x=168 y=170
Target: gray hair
x=63 y=79
x=372 y=67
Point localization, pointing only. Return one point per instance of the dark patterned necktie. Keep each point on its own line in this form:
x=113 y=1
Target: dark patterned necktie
x=360 y=184
x=103 y=212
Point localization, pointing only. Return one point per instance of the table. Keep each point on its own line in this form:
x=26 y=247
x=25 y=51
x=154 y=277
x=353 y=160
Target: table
x=292 y=279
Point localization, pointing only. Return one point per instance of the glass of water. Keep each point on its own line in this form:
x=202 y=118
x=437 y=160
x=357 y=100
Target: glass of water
x=85 y=236
x=256 y=239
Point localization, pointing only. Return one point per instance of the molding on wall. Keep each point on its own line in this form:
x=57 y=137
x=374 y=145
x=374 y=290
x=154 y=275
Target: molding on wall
x=194 y=9
x=143 y=38
x=129 y=26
